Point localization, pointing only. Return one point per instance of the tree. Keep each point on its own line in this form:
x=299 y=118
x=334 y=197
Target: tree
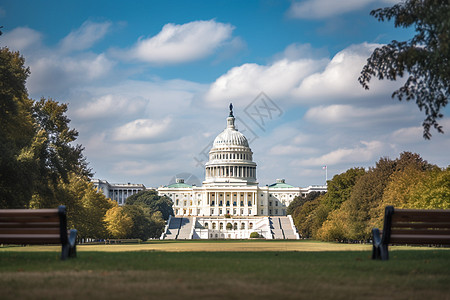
x=365 y=202
x=306 y=218
x=86 y=208
x=340 y=187
x=425 y=58
x=300 y=200
x=153 y=201
x=118 y=222
x=16 y=132
x=433 y=191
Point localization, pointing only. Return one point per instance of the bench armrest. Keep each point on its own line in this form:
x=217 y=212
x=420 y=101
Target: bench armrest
x=376 y=241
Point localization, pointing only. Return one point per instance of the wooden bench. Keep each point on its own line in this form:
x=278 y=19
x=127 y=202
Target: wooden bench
x=411 y=226
x=38 y=226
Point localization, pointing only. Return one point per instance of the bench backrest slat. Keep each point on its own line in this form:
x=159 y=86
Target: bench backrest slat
x=422 y=215
x=27 y=219
x=28 y=225
x=28 y=212
x=420 y=232
x=418 y=225
x=420 y=239
x=38 y=230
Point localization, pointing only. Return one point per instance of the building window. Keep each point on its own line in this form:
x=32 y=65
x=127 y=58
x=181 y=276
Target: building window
x=221 y=225
x=220 y=203
x=250 y=226
x=177 y=202
x=206 y=225
x=242 y=226
x=276 y=211
x=276 y=203
x=262 y=211
x=249 y=203
x=228 y=203
x=270 y=203
x=214 y=225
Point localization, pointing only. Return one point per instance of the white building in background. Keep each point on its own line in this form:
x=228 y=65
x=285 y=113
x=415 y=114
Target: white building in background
x=117 y=191
x=229 y=203
x=230 y=186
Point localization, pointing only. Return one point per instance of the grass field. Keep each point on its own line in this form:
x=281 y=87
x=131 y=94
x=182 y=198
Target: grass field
x=224 y=270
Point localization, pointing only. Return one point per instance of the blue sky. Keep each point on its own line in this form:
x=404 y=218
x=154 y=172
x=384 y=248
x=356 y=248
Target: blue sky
x=149 y=82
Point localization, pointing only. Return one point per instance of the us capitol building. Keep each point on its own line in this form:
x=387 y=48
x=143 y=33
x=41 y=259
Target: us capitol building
x=229 y=204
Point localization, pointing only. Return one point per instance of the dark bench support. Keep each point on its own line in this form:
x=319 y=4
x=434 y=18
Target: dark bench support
x=38 y=226
x=411 y=226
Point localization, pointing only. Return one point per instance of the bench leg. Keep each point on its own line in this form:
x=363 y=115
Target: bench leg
x=376 y=252
x=73 y=251
x=384 y=252
x=64 y=251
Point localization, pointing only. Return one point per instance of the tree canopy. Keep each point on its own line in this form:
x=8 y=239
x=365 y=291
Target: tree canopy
x=356 y=199
x=424 y=59
x=16 y=132
x=153 y=201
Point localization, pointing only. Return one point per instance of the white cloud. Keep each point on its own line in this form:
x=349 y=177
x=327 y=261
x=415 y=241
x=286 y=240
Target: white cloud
x=143 y=130
x=111 y=105
x=340 y=78
x=301 y=75
x=320 y=9
x=353 y=116
x=244 y=83
x=60 y=73
x=84 y=37
x=22 y=39
x=362 y=153
x=182 y=43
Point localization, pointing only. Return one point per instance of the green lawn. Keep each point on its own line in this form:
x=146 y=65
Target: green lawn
x=411 y=273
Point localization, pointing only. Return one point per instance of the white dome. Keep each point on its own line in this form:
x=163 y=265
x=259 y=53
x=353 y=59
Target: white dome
x=230 y=137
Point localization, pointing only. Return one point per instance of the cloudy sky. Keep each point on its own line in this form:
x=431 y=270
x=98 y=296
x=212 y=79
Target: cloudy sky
x=148 y=84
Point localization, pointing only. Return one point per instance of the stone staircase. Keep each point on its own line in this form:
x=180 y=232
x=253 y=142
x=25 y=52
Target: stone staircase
x=185 y=229
x=179 y=228
x=282 y=228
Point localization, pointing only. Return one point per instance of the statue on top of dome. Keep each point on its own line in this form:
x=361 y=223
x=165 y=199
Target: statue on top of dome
x=231 y=110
